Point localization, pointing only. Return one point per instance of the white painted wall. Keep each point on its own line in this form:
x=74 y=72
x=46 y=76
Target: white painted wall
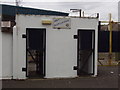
x=61 y=53
x=88 y=24
x=61 y=48
x=7 y=55
x=19 y=54
x=0 y=54
x=15 y=54
x=0 y=46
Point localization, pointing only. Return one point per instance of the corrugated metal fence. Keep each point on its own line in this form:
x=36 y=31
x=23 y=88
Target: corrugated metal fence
x=103 y=41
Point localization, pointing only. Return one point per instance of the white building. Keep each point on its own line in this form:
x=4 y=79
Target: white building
x=49 y=47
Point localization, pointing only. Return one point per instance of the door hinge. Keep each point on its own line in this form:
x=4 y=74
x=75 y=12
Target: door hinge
x=75 y=36
x=24 y=69
x=24 y=36
x=75 y=68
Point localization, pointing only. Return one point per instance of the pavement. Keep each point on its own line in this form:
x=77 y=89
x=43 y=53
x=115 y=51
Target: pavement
x=107 y=78
x=104 y=59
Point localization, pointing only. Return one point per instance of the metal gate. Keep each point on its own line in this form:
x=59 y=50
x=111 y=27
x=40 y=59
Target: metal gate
x=86 y=45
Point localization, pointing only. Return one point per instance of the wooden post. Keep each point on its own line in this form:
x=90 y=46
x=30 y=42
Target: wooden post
x=110 y=39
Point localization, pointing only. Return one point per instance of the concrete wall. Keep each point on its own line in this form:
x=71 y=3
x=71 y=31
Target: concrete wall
x=61 y=47
x=119 y=11
x=7 y=51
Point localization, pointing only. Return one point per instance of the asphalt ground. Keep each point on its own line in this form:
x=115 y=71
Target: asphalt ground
x=107 y=78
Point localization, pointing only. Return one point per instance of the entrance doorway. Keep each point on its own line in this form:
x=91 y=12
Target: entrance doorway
x=35 y=51
x=86 y=47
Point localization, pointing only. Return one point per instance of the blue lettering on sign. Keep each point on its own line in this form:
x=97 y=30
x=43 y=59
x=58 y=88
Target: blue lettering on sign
x=59 y=23
x=56 y=20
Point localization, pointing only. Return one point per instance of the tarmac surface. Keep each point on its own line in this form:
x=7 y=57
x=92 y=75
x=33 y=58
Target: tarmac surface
x=107 y=78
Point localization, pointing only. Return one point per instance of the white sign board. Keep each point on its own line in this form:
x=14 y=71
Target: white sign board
x=61 y=23
x=5 y=24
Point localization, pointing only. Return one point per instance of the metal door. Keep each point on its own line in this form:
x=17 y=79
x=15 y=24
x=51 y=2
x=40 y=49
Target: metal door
x=86 y=45
x=36 y=40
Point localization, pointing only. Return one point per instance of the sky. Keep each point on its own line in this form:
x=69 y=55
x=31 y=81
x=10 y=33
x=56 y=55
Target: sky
x=104 y=7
